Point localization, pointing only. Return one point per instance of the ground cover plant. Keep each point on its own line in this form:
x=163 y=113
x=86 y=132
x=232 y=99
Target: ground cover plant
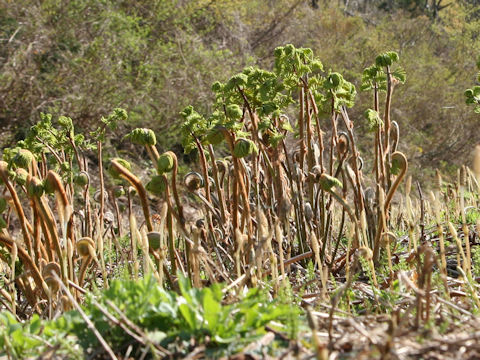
x=286 y=240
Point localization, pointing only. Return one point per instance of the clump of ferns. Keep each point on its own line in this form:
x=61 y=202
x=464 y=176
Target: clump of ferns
x=173 y=215
x=390 y=165
x=247 y=118
x=250 y=117
x=50 y=160
x=36 y=251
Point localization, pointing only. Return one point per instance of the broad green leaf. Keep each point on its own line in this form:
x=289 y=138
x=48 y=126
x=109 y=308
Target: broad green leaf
x=211 y=308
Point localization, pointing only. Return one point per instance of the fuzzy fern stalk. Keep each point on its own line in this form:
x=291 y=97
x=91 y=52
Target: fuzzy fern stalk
x=134 y=241
x=137 y=184
x=27 y=260
x=13 y=254
x=86 y=249
x=24 y=224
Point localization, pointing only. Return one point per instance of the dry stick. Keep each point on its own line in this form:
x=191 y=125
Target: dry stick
x=208 y=206
x=336 y=298
x=89 y=323
x=247 y=172
x=298 y=258
x=409 y=210
x=328 y=225
x=424 y=281
x=279 y=238
x=443 y=259
x=460 y=251
x=339 y=238
x=467 y=280
x=422 y=213
x=468 y=265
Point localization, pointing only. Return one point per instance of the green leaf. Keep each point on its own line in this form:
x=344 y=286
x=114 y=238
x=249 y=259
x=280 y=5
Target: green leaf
x=400 y=75
x=393 y=56
x=35 y=324
x=334 y=81
x=285 y=125
x=188 y=315
x=235 y=81
x=373 y=119
x=211 y=308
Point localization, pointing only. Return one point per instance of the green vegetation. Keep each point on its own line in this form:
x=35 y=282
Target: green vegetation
x=297 y=233
x=162 y=323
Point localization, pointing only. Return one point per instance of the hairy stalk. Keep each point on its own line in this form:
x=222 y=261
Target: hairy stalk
x=24 y=224
x=27 y=260
x=137 y=184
